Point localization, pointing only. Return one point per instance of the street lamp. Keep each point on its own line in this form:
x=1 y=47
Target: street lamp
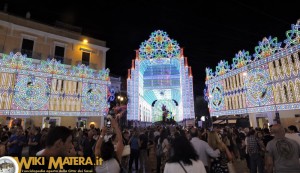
x=120 y=98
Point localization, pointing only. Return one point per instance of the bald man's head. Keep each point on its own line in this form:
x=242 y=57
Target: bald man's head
x=278 y=130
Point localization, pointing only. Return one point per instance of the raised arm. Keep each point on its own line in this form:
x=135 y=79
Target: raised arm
x=120 y=145
x=99 y=142
x=211 y=152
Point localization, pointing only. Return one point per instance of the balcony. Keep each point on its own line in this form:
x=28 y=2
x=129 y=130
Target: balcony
x=63 y=60
x=29 y=53
x=91 y=65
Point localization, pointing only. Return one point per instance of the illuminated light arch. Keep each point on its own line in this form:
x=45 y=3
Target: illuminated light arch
x=51 y=88
x=160 y=76
x=266 y=48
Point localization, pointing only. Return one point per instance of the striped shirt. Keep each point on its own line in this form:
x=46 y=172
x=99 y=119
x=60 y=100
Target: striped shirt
x=252 y=145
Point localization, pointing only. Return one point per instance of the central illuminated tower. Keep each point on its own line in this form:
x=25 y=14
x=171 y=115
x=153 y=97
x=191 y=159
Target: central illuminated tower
x=160 y=77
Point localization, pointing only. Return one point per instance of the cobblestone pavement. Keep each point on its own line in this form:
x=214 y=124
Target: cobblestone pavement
x=240 y=166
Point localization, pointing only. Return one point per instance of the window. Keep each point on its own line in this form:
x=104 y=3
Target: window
x=59 y=53
x=27 y=47
x=85 y=58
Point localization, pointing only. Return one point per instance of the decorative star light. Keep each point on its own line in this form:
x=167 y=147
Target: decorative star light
x=241 y=59
x=82 y=71
x=267 y=47
x=17 y=61
x=159 y=45
x=209 y=73
x=293 y=36
x=52 y=66
x=222 y=68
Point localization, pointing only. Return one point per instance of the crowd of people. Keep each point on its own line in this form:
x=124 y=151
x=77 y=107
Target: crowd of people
x=173 y=147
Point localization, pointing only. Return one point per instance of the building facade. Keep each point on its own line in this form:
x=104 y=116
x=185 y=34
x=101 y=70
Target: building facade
x=50 y=75
x=116 y=84
x=265 y=86
x=160 y=82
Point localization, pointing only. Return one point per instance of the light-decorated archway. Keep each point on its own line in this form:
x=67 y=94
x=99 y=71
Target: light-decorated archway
x=160 y=78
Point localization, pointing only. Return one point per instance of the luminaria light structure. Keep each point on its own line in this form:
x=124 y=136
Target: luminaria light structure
x=51 y=88
x=160 y=76
x=262 y=84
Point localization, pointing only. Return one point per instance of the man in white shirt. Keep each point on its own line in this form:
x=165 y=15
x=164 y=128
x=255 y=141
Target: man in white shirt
x=202 y=148
x=293 y=134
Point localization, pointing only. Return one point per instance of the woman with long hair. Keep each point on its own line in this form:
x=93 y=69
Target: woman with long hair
x=110 y=154
x=219 y=164
x=184 y=159
x=164 y=144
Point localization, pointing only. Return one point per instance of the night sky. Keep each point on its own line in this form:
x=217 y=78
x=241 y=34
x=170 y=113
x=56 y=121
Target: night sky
x=209 y=31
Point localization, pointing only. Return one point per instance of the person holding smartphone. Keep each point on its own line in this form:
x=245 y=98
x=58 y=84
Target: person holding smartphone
x=106 y=150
